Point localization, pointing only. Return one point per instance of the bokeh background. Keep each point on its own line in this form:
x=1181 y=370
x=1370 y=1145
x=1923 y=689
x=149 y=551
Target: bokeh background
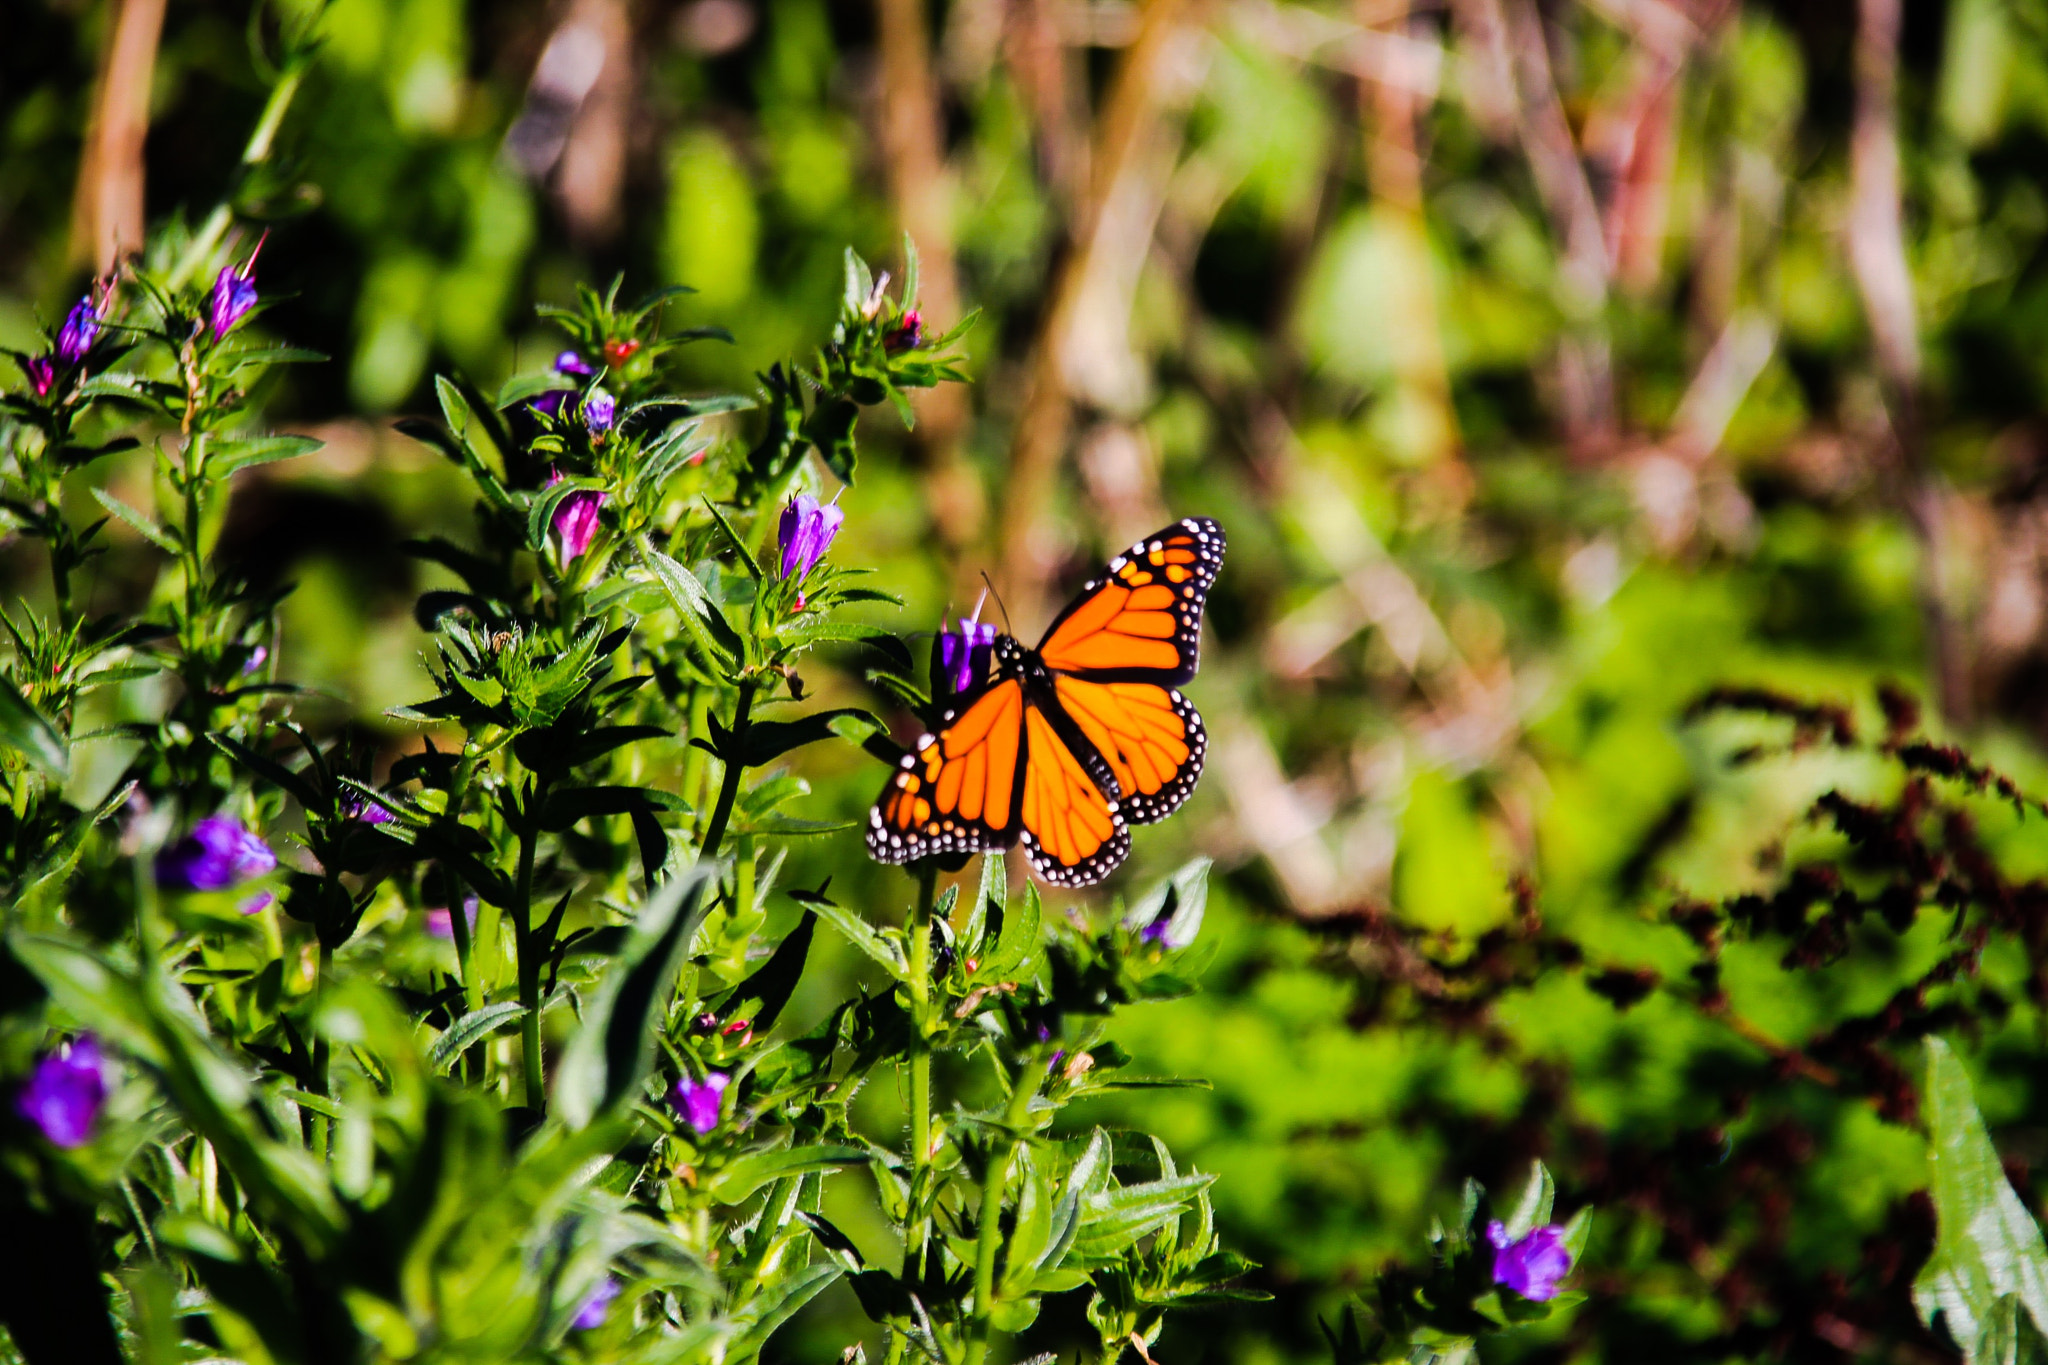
x=1548 y=361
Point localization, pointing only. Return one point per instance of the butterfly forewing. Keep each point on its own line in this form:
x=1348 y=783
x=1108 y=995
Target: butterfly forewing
x=1142 y=620
x=957 y=793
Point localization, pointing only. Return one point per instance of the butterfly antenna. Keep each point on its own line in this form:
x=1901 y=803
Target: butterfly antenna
x=989 y=590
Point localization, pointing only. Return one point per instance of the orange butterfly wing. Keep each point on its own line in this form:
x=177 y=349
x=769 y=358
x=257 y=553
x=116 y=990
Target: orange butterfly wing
x=1150 y=736
x=1073 y=833
x=1142 y=620
x=958 y=792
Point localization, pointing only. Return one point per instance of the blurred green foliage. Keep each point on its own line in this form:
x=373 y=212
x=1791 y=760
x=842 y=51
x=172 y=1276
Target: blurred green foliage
x=1456 y=639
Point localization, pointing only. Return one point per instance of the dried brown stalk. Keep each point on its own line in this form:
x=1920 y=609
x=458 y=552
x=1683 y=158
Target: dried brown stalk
x=107 y=213
x=922 y=189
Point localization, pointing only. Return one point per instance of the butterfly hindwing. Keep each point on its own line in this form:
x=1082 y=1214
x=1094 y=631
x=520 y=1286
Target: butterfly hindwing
x=958 y=792
x=1142 y=620
x=1150 y=737
x=1072 y=831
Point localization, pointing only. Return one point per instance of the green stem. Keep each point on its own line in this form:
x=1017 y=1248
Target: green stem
x=256 y=150
x=322 y=1062
x=990 y=1214
x=920 y=1068
x=523 y=944
x=729 y=786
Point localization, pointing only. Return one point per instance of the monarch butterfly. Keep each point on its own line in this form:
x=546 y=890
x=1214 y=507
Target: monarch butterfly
x=1071 y=743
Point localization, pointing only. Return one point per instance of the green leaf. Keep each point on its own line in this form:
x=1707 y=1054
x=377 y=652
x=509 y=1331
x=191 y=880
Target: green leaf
x=1016 y=940
x=1182 y=897
x=1538 y=1198
x=770 y=988
x=471 y=1027
x=163 y=537
x=859 y=933
x=750 y=1172
x=228 y=456
x=1986 y=1245
x=699 y=616
x=29 y=730
x=768 y=740
x=1114 y=1219
x=607 y=1061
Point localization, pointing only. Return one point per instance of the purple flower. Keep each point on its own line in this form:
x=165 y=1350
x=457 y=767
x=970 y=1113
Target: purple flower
x=257 y=903
x=441 y=924
x=217 y=854
x=599 y=411
x=906 y=335
x=64 y=1093
x=568 y=362
x=960 y=658
x=576 y=518
x=805 y=533
x=234 y=294
x=255 y=659
x=697 y=1101
x=592 y=1313
x=81 y=327
x=363 y=810
x=1532 y=1266
x=549 y=402
x=42 y=374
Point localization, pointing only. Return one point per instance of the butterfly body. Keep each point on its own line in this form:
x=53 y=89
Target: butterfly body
x=1065 y=746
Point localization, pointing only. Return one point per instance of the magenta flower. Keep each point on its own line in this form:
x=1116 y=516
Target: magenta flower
x=1533 y=1265
x=698 y=1101
x=42 y=374
x=805 y=533
x=217 y=854
x=441 y=924
x=568 y=362
x=576 y=519
x=592 y=1313
x=906 y=335
x=81 y=327
x=960 y=658
x=234 y=294
x=64 y=1093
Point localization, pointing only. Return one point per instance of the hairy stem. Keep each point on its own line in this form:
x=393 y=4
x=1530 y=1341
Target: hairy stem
x=920 y=1068
x=990 y=1214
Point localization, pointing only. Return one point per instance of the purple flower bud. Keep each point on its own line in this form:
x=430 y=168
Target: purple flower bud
x=568 y=362
x=960 y=658
x=441 y=924
x=599 y=411
x=698 y=1101
x=42 y=374
x=234 y=294
x=906 y=335
x=549 y=403
x=255 y=659
x=576 y=519
x=592 y=1313
x=1532 y=1266
x=363 y=810
x=81 y=328
x=257 y=903
x=806 y=532
x=217 y=854
x=64 y=1093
